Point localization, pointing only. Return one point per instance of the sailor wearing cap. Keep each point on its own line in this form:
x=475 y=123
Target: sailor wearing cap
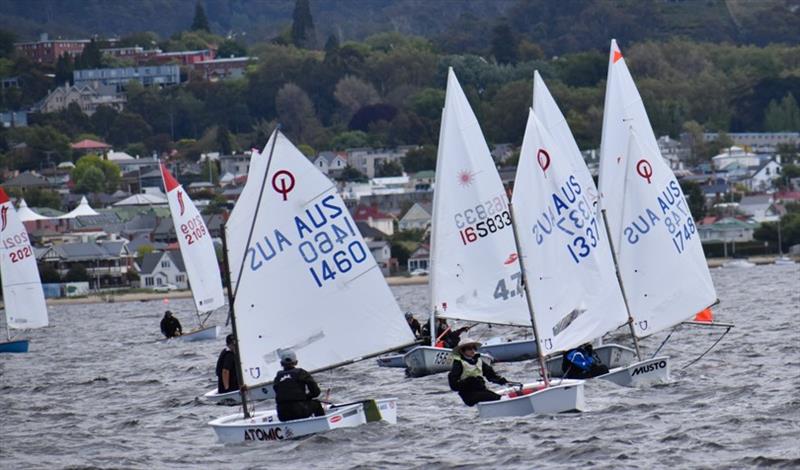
x=295 y=390
x=470 y=372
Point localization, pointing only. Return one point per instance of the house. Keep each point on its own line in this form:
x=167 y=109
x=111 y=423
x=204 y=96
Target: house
x=418 y=217
x=761 y=207
x=236 y=164
x=14 y=119
x=88 y=97
x=119 y=77
x=25 y=181
x=673 y=152
x=761 y=141
x=185 y=57
x=734 y=155
x=367 y=160
x=330 y=163
x=90 y=146
x=107 y=263
x=369 y=233
x=47 y=51
x=374 y=218
x=382 y=252
x=222 y=69
x=762 y=178
x=420 y=258
x=727 y=229
x=162 y=268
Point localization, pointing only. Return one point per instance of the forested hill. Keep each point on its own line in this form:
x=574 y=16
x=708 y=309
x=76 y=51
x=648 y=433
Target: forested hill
x=453 y=25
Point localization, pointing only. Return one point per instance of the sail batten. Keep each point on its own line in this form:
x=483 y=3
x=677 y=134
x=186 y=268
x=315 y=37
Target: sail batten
x=308 y=282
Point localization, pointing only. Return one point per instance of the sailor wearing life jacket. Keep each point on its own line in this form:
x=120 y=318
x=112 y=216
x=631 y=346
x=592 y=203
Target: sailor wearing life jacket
x=582 y=363
x=470 y=372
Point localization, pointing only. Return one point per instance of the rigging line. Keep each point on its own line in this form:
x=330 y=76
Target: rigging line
x=664 y=342
x=708 y=350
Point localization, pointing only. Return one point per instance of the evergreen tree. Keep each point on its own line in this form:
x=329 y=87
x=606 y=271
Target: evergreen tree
x=504 y=44
x=200 y=21
x=783 y=116
x=303 y=34
x=90 y=58
x=64 y=68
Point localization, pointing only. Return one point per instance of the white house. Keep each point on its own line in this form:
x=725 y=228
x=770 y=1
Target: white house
x=735 y=155
x=330 y=162
x=162 y=268
x=761 y=180
x=420 y=258
x=727 y=229
x=382 y=252
x=418 y=217
x=761 y=207
x=673 y=152
x=373 y=217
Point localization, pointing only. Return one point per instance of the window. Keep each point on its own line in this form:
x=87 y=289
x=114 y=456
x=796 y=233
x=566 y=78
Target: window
x=148 y=281
x=165 y=264
x=158 y=281
x=179 y=278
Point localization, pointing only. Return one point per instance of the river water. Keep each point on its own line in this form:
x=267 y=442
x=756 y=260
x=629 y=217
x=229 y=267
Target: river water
x=98 y=390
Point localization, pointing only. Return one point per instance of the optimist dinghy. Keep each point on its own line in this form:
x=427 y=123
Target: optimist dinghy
x=302 y=277
x=23 y=297
x=199 y=257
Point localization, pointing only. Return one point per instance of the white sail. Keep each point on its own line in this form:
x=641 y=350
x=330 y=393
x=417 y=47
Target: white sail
x=197 y=247
x=623 y=110
x=574 y=289
x=22 y=288
x=242 y=214
x=661 y=261
x=308 y=283
x=475 y=274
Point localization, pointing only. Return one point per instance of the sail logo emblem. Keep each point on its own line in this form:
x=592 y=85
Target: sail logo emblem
x=4 y=215
x=645 y=169
x=335 y=419
x=283 y=183
x=180 y=201
x=511 y=258
x=643 y=325
x=255 y=372
x=544 y=160
x=465 y=178
x=548 y=344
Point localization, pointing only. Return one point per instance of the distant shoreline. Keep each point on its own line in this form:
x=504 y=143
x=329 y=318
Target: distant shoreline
x=392 y=281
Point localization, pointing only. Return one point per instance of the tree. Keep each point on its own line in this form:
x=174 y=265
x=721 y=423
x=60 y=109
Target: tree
x=231 y=48
x=77 y=273
x=782 y=117
x=91 y=57
x=303 y=34
x=92 y=174
x=200 y=21
x=7 y=39
x=296 y=113
x=351 y=174
x=128 y=127
x=64 y=69
x=224 y=141
x=695 y=198
x=353 y=94
x=48 y=274
x=420 y=159
x=37 y=197
x=349 y=139
x=209 y=169
x=389 y=168
x=504 y=44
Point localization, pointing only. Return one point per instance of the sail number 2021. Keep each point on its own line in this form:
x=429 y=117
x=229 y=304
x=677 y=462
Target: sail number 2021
x=21 y=243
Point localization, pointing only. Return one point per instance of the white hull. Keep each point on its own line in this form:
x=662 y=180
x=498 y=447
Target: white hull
x=265 y=426
x=264 y=392
x=427 y=360
x=562 y=396
x=784 y=260
x=640 y=373
x=738 y=263
x=611 y=355
x=394 y=360
x=202 y=334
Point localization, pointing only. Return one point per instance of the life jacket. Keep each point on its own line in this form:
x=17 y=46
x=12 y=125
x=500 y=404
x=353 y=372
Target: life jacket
x=469 y=370
x=579 y=358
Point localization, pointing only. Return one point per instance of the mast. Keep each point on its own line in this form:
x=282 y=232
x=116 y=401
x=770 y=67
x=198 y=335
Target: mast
x=231 y=292
x=528 y=300
x=621 y=286
x=238 y=362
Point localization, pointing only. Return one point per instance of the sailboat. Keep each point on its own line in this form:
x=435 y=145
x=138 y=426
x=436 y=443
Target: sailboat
x=661 y=267
x=474 y=274
x=199 y=257
x=302 y=279
x=23 y=297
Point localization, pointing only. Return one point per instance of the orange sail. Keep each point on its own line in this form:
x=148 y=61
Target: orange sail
x=705 y=316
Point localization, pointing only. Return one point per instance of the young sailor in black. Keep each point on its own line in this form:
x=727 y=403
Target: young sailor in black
x=582 y=363
x=227 y=373
x=470 y=372
x=170 y=326
x=295 y=391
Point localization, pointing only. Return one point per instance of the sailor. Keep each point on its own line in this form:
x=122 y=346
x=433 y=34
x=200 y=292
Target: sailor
x=582 y=363
x=470 y=372
x=227 y=372
x=295 y=391
x=414 y=325
x=448 y=338
x=170 y=326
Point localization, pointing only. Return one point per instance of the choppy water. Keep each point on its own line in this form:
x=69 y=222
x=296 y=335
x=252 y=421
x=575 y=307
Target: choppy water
x=97 y=390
